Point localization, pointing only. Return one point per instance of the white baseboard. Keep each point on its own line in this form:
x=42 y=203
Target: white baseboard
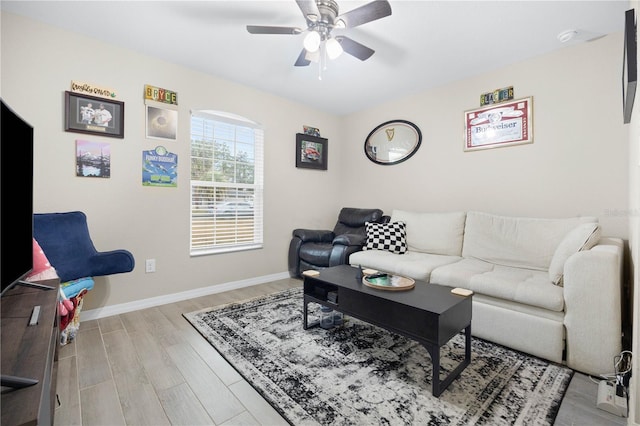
x=122 y=308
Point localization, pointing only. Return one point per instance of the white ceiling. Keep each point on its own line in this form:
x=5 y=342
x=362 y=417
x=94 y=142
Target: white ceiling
x=423 y=44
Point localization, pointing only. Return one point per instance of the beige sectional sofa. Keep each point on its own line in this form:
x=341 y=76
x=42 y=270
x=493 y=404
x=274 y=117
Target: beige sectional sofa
x=547 y=287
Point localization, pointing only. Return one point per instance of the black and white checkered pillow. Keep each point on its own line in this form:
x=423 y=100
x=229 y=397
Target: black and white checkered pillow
x=386 y=236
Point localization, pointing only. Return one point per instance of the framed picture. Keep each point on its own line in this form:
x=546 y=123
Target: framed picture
x=92 y=115
x=93 y=159
x=311 y=152
x=498 y=125
x=162 y=123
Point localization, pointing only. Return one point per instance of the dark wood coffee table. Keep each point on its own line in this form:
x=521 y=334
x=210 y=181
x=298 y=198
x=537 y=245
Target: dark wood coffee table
x=429 y=314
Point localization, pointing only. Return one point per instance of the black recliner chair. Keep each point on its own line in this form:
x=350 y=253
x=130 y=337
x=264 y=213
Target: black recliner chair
x=319 y=249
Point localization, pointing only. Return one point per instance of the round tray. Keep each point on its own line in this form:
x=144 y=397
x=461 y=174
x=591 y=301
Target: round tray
x=392 y=283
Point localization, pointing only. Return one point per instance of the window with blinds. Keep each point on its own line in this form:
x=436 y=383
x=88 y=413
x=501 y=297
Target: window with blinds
x=226 y=183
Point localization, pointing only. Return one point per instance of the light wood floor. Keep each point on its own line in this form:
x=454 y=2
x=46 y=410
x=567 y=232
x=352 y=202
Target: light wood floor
x=151 y=367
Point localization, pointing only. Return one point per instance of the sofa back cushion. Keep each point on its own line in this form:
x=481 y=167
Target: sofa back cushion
x=435 y=233
x=516 y=241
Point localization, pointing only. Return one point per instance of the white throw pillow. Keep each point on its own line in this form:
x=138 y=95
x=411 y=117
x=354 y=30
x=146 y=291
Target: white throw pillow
x=386 y=236
x=583 y=237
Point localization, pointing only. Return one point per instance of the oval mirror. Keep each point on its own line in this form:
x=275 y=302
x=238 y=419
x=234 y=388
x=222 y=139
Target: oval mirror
x=392 y=142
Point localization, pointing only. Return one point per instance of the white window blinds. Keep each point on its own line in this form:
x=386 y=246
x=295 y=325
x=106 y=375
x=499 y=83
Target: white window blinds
x=227 y=154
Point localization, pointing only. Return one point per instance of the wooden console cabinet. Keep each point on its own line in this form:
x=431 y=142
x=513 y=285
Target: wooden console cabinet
x=29 y=351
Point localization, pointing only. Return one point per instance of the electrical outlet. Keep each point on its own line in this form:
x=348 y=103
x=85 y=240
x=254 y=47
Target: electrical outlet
x=150 y=265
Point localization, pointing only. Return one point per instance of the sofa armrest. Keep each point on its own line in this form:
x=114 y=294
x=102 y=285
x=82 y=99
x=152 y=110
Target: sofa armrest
x=593 y=319
x=111 y=262
x=314 y=235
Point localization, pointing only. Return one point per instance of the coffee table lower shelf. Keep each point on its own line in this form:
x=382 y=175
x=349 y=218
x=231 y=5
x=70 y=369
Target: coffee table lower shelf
x=437 y=385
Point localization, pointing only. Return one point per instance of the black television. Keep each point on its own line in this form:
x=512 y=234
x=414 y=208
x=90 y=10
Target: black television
x=630 y=64
x=16 y=198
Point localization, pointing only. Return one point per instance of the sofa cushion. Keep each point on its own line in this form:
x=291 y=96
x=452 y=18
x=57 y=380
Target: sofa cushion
x=520 y=285
x=583 y=237
x=411 y=264
x=436 y=233
x=390 y=237
x=515 y=241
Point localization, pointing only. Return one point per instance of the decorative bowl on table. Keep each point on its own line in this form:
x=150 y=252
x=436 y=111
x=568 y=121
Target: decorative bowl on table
x=388 y=282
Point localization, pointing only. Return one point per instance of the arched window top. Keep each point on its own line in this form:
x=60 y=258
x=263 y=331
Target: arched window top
x=228 y=117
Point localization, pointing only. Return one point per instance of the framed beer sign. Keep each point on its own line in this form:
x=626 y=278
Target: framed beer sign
x=499 y=125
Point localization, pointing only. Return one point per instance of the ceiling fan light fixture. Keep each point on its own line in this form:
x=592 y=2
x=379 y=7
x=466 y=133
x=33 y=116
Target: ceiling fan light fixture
x=340 y=24
x=312 y=41
x=334 y=49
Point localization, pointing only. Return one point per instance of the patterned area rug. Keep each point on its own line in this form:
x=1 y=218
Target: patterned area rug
x=359 y=374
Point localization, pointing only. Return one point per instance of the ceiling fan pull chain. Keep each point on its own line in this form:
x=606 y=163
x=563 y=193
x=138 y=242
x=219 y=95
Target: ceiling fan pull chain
x=321 y=61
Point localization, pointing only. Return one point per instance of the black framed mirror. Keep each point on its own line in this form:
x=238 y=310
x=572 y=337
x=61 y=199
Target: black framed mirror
x=392 y=142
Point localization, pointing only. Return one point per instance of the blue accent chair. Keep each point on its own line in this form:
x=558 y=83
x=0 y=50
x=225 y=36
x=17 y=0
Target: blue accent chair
x=65 y=240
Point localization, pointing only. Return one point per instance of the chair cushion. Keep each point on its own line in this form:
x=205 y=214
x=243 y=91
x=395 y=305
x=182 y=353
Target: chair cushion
x=390 y=237
x=317 y=254
x=352 y=220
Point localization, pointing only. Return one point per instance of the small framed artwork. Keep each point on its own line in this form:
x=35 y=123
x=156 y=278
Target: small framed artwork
x=311 y=152
x=93 y=115
x=93 y=159
x=162 y=123
x=499 y=125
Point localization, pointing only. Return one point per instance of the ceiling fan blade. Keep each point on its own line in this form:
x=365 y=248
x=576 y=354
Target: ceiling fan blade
x=354 y=48
x=363 y=14
x=309 y=9
x=302 y=60
x=263 y=29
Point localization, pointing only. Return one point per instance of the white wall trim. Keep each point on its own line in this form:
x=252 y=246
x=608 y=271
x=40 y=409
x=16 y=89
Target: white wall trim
x=122 y=308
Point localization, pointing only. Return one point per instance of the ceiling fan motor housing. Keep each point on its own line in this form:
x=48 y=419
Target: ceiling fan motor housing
x=328 y=11
x=321 y=17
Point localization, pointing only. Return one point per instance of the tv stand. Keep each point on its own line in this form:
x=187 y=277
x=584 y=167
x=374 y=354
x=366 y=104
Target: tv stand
x=29 y=353
x=36 y=285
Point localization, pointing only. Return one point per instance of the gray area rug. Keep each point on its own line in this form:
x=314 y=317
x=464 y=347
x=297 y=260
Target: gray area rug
x=359 y=374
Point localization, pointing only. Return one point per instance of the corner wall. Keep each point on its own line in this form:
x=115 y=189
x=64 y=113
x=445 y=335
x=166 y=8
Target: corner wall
x=38 y=64
x=577 y=164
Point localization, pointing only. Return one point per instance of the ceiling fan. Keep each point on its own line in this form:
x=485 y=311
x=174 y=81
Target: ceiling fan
x=322 y=16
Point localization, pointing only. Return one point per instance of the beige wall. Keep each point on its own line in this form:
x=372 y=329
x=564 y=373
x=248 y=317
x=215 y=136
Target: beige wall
x=38 y=64
x=577 y=164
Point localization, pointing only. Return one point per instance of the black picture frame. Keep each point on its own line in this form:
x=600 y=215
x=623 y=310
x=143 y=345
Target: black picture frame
x=630 y=64
x=80 y=119
x=311 y=152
